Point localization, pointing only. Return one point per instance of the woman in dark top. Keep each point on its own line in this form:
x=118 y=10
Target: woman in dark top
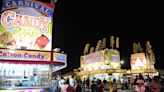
x=100 y=87
x=93 y=87
x=78 y=88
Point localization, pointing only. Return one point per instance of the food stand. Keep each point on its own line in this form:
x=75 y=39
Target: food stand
x=142 y=62
x=18 y=69
x=24 y=70
x=26 y=57
x=105 y=63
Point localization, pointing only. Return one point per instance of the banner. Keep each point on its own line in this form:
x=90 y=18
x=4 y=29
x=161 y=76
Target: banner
x=114 y=59
x=24 y=55
x=93 y=58
x=114 y=56
x=59 y=57
x=104 y=59
x=139 y=62
x=26 y=24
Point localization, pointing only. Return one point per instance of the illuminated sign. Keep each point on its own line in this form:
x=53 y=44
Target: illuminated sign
x=114 y=55
x=26 y=25
x=24 y=55
x=115 y=58
x=58 y=57
x=39 y=6
x=138 y=61
x=104 y=59
x=10 y=19
x=93 y=57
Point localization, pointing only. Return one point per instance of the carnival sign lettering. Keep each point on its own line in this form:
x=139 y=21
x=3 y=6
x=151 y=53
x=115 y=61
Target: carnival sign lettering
x=10 y=19
x=24 y=55
x=10 y=4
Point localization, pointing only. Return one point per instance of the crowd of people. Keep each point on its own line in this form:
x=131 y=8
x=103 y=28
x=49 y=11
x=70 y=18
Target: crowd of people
x=66 y=85
x=155 y=84
x=139 y=84
x=142 y=84
x=75 y=84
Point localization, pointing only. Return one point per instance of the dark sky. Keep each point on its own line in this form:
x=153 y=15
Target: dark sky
x=78 y=22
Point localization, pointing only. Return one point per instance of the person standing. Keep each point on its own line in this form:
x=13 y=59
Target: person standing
x=100 y=86
x=114 y=85
x=72 y=82
x=67 y=87
x=54 y=85
x=155 y=85
x=88 y=82
x=78 y=87
x=140 y=87
x=147 y=84
x=84 y=82
x=61 y=83
x=93 y=87
x=124 y=83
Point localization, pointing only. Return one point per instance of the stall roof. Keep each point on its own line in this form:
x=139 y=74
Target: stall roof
x=30 y=62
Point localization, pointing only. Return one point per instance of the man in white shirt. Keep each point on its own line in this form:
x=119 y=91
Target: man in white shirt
x=61 y=83
x=72 y=81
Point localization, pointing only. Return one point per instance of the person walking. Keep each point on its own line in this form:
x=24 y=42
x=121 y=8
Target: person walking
x=100 y=86
x=67 y=87
x=54 y=85
x=93 y=86
x=78 y=87
x=114 y=85
x=155 y=85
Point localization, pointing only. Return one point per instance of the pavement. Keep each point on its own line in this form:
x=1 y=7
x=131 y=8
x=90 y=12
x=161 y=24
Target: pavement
x=119 y=90
x=124 y=90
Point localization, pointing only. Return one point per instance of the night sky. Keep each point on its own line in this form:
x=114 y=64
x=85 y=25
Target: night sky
x=79 y=22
